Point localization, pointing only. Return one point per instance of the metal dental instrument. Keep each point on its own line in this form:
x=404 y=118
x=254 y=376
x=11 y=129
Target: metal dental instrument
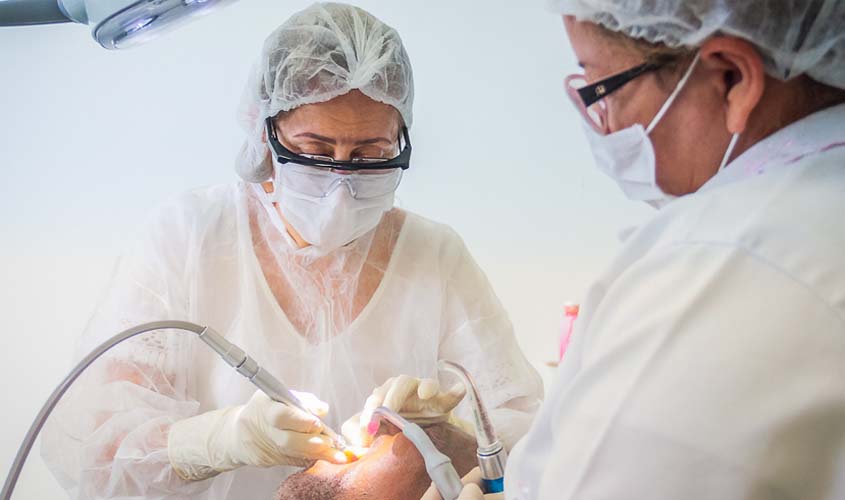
x=270 y=385
x=232 y=354
x=491 y=453
x=438 y=465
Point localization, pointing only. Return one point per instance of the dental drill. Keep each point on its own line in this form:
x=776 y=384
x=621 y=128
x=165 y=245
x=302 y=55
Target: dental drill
x=235 y=357
x=438 y=465
x=232 y=354
x=491 y=453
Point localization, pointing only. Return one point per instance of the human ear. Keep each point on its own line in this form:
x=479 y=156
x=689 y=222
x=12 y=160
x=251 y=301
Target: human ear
x=738 y=71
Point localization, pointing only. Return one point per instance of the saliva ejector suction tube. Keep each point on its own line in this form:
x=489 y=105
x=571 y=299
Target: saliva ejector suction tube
x=231 y=354
x=439 y=466
x=491 y=453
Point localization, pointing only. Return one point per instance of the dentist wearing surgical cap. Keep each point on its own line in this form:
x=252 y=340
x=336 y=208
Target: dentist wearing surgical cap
x=708 y=362
x=305 y=264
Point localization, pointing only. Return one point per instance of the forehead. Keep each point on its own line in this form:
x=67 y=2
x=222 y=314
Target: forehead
x=596 y=46
x=584 y=32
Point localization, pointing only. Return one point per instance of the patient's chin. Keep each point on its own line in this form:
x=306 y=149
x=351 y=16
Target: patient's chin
x=305 y=486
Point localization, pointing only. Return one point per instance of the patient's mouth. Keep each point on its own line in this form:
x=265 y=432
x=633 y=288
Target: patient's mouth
x=353 y=453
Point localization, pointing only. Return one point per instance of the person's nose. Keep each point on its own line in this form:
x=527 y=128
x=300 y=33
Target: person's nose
x=343 y=153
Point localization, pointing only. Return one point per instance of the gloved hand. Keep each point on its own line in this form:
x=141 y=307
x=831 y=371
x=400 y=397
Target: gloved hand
x=261 y=433
x=472 y=489
x=418 y=400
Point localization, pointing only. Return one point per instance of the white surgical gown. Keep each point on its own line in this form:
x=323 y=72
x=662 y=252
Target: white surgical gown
x=396 y=301
x=708 y=362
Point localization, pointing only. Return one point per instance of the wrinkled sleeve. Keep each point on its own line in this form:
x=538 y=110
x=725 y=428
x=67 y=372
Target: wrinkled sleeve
x=707 y=373
x=478 y=335
x=108 y=436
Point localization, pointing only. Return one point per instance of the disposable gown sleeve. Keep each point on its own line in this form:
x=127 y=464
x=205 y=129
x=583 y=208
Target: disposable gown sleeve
x=705 y=373
x=108 y=436
x=478 y=334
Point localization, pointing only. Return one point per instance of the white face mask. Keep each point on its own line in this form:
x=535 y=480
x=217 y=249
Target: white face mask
x=627 y=156
x=334 y=220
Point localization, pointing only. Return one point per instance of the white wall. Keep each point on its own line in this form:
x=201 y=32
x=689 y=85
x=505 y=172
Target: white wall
x=91 y=139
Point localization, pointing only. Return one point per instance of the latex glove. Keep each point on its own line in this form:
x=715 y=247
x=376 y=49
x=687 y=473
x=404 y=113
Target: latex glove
x=419 y=400
x=261 y=433
x=471 y=491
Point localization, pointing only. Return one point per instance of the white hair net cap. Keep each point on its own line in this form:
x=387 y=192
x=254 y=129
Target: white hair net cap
x=318 y=54
x=794 y=36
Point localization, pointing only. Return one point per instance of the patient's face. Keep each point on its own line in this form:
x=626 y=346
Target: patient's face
x=392 y=469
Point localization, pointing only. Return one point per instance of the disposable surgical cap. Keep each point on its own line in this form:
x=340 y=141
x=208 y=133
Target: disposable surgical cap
x=794 y=36
x=318 y=54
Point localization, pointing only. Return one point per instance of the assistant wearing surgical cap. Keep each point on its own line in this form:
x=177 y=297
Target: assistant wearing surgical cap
x=706 y=358
x=318 y=54
x=794 y=37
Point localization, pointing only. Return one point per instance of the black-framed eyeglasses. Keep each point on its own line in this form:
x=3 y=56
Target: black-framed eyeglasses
x=285 y=155
x=588 y=97
x=594 y=92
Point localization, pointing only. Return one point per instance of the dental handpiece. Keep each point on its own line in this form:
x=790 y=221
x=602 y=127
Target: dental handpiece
x=230 y=353
x=267 y=383
x=491 y=453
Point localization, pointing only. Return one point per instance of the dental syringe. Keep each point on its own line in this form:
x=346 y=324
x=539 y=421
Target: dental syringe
x=235 y=357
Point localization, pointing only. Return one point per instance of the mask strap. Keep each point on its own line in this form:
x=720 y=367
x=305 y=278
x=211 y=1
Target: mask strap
x=673 y=95
x=266 y=200
x=729 y=151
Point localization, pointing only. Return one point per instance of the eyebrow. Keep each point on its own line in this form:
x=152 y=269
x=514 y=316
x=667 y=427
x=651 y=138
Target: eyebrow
x=329 y=140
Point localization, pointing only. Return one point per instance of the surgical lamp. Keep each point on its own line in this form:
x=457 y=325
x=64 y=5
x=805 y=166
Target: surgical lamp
x=115 y=24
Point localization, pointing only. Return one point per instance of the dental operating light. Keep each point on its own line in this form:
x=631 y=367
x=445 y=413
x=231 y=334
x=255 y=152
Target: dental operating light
x=115 y=24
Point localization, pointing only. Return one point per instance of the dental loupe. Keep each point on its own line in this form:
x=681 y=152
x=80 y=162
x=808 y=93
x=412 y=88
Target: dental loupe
x=491 y=453
x=231 y=354
x=115 y=24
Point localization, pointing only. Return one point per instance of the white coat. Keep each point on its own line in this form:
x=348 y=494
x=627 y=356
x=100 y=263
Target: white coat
x=709 y=359
x=395 y=301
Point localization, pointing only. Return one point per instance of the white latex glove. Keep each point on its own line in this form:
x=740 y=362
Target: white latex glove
x=471 y=490
x=418 y=400
x=261 y=433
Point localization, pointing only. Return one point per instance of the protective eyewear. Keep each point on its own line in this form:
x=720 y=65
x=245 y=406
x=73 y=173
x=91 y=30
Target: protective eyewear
x=316 y=182
x=285 y=155
x=589 y=97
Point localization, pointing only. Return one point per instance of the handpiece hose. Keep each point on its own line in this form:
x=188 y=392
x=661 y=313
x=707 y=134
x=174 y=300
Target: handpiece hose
x=232 y=354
